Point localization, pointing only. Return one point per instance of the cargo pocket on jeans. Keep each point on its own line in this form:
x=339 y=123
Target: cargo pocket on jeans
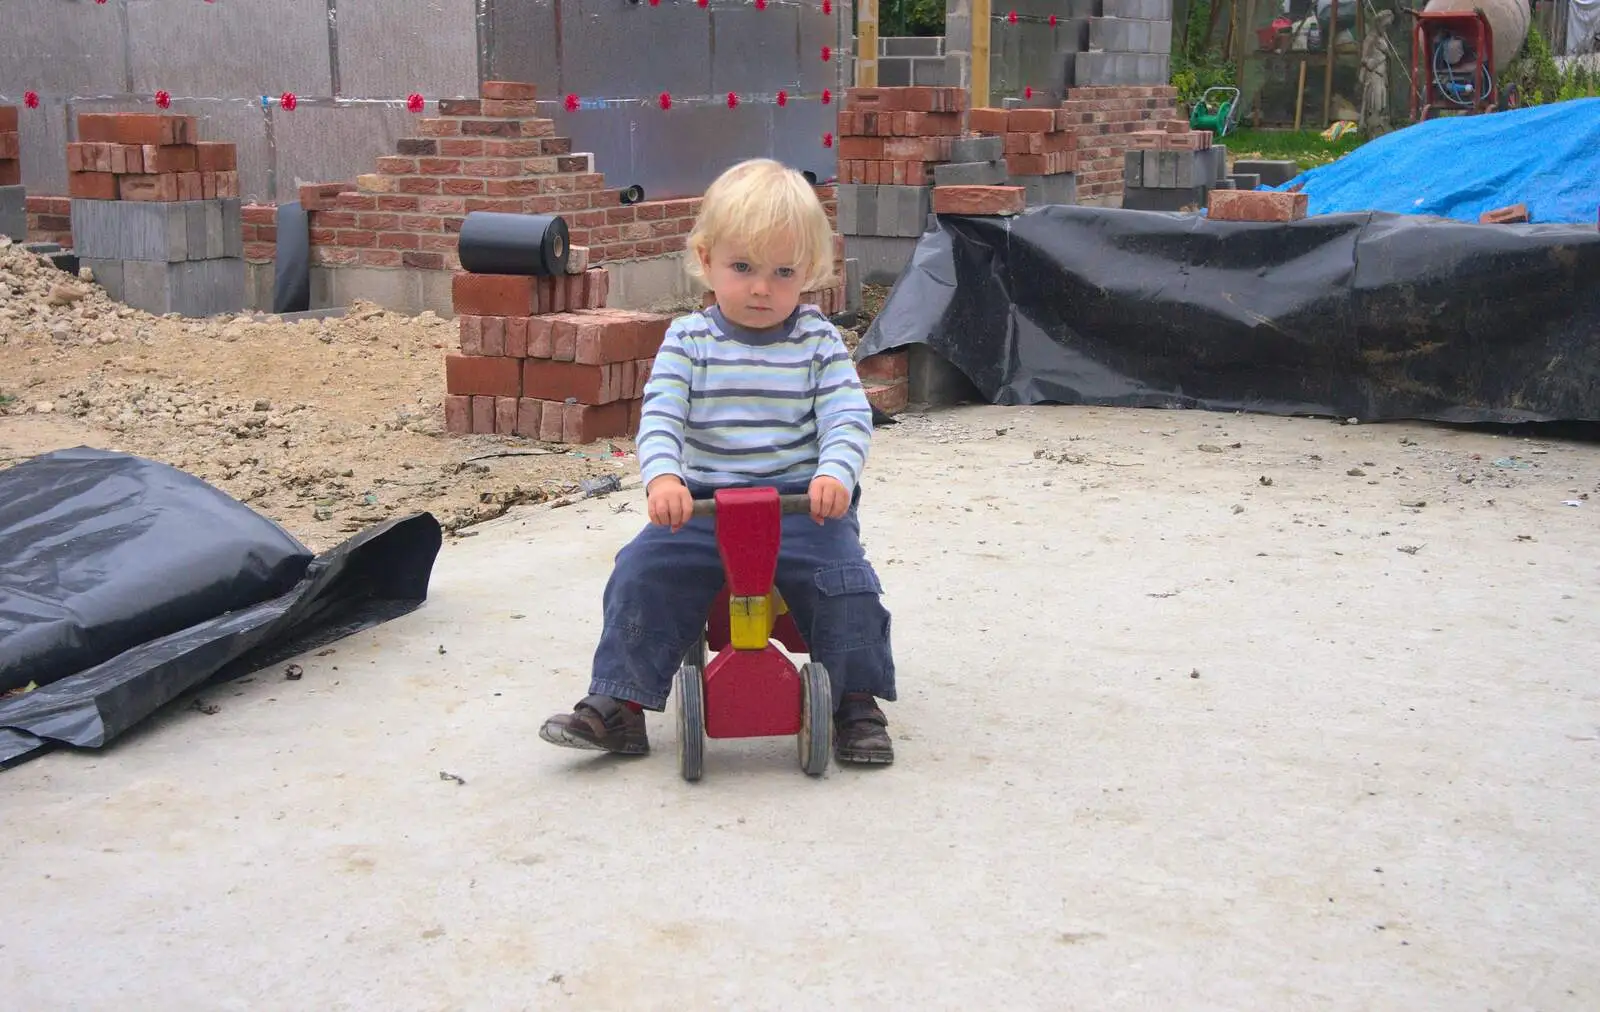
x=849 y=614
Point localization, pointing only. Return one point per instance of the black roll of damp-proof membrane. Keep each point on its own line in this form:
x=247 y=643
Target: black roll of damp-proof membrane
x=493 y=242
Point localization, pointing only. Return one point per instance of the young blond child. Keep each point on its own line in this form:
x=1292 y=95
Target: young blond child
x=757 y=390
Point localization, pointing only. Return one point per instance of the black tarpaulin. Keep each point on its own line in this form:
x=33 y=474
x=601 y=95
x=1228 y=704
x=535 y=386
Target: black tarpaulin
x=1376 y=316
x=127 y=582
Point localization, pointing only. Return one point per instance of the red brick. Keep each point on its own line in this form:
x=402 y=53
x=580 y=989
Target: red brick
x=217 y=156
x=516 y=329
x=510 y=108
x=873 y=99
x=988 y=120
x=508 y=91
x=423 y=261
x=1029 y=120
x=1516 y=214
x=642 y=375
x=1256 y=205
x=457 y=414
x=260 y=252
x=493 y=294
x=490 y=127
x=321 y=196
x=399 y=240
x=866 y=148
x=541 y=337
x=551 y=421
x=889 y=398
x=413 y=147
x=888 y=367
x=91 y=185
x=157 y=188
x=585 y=423
x=173 y=158
x=483 y=414
x=505 y=415
x=494 y=335
x=379 y=258
x=9 y=120
x=563 y=337
x=559 y=381
x=460 y=107
x=1050 y=164
x=984 y=200
x=530 y=415
x=494 y=377
x=471 y=331
x=439 y=127
x=635 y=415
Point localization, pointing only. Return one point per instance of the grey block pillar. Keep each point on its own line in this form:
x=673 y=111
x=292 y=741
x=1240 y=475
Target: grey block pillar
x=14 y=212
x=1096 y=70
x=189 y=288
x=1038 y=191
x=168 y=232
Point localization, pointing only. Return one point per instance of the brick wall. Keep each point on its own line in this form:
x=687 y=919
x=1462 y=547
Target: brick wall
x=1103 y=119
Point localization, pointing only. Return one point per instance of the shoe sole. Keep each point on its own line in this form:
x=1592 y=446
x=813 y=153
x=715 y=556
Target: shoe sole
x=557 y=735
x=864 y=758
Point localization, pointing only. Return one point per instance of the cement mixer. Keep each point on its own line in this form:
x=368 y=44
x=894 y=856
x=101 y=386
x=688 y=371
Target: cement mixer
x=1459 y=50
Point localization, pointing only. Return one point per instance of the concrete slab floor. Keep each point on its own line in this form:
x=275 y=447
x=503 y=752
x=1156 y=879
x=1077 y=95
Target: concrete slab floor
x=1169 y=737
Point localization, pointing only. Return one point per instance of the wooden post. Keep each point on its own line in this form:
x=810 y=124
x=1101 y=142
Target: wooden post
x=1329 y=44
x=866 y=43
x=1300 y=96
x=980 y=53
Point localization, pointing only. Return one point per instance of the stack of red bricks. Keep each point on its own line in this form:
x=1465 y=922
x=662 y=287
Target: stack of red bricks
x=50 y=220
x=1039 y=142
x=541 y=359
x=148 y=156
x=1102 y=119
x=493 y=153
x=259 y=225
x=10 y=147
x=895 y=136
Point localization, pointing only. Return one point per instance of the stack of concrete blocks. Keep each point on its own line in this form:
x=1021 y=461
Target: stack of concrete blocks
x=905 y=61
x=1129 y=42
x=13 y=198
x=1172 y=171
x=1031 y=148
x=892 y=143
x=155 y=214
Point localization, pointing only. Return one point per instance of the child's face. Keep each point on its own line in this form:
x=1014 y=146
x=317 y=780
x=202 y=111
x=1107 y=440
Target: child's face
x=755 y=292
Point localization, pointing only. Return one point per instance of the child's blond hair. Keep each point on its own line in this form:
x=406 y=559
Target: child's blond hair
x=756 y=205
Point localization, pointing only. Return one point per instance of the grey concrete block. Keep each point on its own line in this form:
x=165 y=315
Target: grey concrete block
x=977 y=149
x=852 y=284
x=1224 y=184
x=1130 y=35
x=1084 y=8
x=902 y=211
x=165 y=232
x=1273 y=172
x=1038 y=191
x=1169 y=198
x=107 y=274
x=929 y=72
x=912 y=45
x=1220 y=153
x=1133 y=168
x=14 y=212
x=189 y=288
x=1166 y=170
x=849 y=218
x=1152 y=167
x=933 y=381
x=1095 y=70
x=1072 y=34
x=1151 y=10
x=894 y=73
x=882 y=258
x=866 y=210
x=970 y=174
x=1246 y=181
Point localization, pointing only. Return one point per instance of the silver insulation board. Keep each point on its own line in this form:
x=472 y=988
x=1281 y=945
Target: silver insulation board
x=353 y=62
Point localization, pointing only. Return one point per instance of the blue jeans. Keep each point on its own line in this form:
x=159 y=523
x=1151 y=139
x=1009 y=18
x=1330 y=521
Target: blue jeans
x=664 y=584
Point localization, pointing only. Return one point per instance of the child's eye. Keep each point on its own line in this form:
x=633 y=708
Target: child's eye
x=785 y=272
x=741 y=267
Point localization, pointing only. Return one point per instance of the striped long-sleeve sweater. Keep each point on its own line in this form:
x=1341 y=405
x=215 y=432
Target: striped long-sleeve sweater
x=730 y=406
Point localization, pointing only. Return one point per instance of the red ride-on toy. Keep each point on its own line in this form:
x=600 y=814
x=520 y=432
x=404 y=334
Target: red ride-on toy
x=750 y=688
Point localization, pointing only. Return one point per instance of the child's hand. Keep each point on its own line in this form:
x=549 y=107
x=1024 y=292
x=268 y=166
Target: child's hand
x=830 y=500
x=671 y=505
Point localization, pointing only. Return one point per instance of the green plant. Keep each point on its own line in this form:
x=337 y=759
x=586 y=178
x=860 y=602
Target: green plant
x=910 y=17
x=1195 y=65
x=1533 y=73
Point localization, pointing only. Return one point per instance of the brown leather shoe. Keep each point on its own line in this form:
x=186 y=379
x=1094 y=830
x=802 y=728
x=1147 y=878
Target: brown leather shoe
x=599 y=722
x=860 y=731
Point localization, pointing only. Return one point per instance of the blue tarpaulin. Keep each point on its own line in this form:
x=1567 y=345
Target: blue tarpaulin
x=1547 y=157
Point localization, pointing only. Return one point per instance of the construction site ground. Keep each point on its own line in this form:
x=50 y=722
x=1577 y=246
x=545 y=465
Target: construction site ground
x=1196 y=711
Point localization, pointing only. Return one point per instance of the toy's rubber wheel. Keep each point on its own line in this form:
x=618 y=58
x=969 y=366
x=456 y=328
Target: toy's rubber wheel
x=690 y=688
x=816 y=719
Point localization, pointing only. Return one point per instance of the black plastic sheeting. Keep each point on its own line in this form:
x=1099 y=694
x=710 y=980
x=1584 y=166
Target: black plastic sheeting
x=1375 y=316
x=128 y=582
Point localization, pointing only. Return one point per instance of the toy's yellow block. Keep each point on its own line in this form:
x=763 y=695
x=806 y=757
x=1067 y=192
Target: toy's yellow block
x=751 y=619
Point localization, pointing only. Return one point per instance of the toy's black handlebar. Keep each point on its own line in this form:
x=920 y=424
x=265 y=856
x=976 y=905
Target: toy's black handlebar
x=787 y=504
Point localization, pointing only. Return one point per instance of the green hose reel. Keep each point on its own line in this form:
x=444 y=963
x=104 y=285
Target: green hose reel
x=1219 y=117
